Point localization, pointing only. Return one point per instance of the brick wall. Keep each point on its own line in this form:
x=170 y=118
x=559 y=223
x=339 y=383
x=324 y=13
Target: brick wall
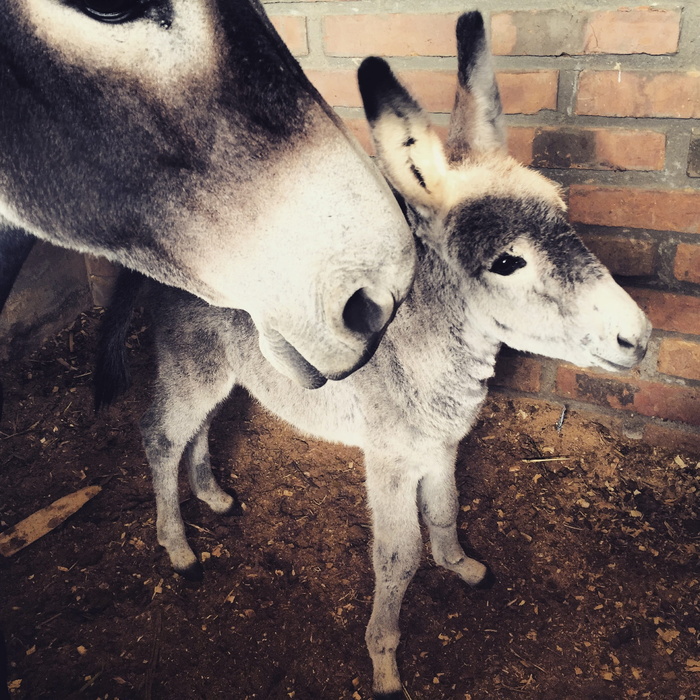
x=603 y=98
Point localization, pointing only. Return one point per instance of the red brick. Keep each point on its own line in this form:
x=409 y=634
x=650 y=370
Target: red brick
x=528 y=92
x=686 y=266
x=667 y=401
x=662 y=210
x=672 y=439
x=292 y=29
x=556 y=32
x=599 y=149
x=522 y=93
x=520 y=140
x=680 y=358
x=639 y=94
x=360 y=130
x=669 y=312
x=518 y=372
x=641 y=30
x=390 y=35
x=629 y=257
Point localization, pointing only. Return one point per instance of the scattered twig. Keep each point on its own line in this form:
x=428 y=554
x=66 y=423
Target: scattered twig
x=155 y=655
x=308 y=479
x=560 y=423
x=546 y=459
x=522 y=658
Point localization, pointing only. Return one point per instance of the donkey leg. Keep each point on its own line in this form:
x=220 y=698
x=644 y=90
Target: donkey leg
x=396 y=553
x=202 y=481
x=439 y=506
x=174 y=418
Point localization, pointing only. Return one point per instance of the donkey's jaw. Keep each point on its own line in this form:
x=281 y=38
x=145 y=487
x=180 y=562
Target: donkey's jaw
x=287 y=360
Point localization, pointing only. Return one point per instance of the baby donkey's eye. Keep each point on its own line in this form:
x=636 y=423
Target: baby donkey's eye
x=506 y=264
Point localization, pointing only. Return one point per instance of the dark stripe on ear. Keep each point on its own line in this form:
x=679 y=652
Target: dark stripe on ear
x=419 y=176
x=471 y=42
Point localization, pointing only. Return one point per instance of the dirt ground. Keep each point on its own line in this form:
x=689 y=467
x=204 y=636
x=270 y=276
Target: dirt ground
x=594 y=541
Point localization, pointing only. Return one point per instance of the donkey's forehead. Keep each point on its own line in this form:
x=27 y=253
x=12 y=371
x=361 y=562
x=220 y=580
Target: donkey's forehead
x=481 y=229
x=498 y=176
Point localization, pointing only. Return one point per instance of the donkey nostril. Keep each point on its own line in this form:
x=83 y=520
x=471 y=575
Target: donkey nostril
x=364 y=315
x=625 y=343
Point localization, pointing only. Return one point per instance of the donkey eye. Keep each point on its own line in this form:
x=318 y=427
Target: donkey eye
x=112 y=11
x=507 y=264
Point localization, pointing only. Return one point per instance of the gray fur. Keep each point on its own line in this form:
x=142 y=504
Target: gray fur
x=187 y=144
x=410 y=406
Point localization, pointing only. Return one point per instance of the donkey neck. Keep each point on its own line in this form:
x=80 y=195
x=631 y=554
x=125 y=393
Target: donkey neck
x=440 y=305
x=433 y=356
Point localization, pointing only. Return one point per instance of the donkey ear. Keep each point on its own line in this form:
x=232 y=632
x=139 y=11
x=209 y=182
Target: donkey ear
x=477 y=118
x=410 y=153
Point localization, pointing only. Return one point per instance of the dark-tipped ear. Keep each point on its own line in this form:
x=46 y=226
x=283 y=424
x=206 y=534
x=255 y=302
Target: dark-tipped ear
x=409 y=151
x=477 y=118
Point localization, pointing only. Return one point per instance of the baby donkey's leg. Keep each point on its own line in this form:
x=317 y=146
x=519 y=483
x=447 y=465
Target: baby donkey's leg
x=391 y=489
x=202 y=481
x=182 y=405
x=439 y=506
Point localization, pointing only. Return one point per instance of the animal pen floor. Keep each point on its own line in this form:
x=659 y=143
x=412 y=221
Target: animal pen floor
x=596 y=557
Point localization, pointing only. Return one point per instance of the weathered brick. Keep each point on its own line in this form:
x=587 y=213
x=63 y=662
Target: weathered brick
x=292 y=29
x=556 y=32
x=390 y=35
x=599 y=149
x=680 y=358
x=528 y=92
x=518 y=372
x=537 y=33
x=521 y=93
x=662 y=210
x=671 y=439
x=669 y=312
x=639 y=94
x=694 y=155
x=628 y=257
x=686 y=264
x=520 y=140
x=648 y=30
x=667 y=401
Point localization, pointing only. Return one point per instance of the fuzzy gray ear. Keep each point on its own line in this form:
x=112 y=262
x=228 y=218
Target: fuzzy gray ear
x=409 y=151
x=477 y=118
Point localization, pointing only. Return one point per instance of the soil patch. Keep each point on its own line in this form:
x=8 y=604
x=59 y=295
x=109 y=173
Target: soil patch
x=594 y=541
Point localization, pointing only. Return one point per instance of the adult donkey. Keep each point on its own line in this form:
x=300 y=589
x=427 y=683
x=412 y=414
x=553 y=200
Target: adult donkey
x=181 y=139
x=497 y=263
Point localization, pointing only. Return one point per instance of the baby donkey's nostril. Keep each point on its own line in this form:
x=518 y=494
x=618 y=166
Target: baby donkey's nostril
x=362 y=314
x=624 y=343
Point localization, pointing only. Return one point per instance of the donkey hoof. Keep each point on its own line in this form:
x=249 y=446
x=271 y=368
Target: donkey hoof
x=487 y=582
x=194 y=572
x=235 y=508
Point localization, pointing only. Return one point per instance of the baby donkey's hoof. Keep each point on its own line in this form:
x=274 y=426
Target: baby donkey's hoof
x=487 y=582
x=194 y=572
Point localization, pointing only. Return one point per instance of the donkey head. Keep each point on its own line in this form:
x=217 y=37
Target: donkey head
x=528 y=280
x=181 y=139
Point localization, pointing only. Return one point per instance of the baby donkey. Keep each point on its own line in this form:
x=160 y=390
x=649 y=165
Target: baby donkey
x=498 y=263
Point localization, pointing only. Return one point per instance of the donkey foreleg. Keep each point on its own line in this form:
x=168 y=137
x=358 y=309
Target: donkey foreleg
x=180 y=409
x=439 y=506
x=202 y=481
x=396 y=553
